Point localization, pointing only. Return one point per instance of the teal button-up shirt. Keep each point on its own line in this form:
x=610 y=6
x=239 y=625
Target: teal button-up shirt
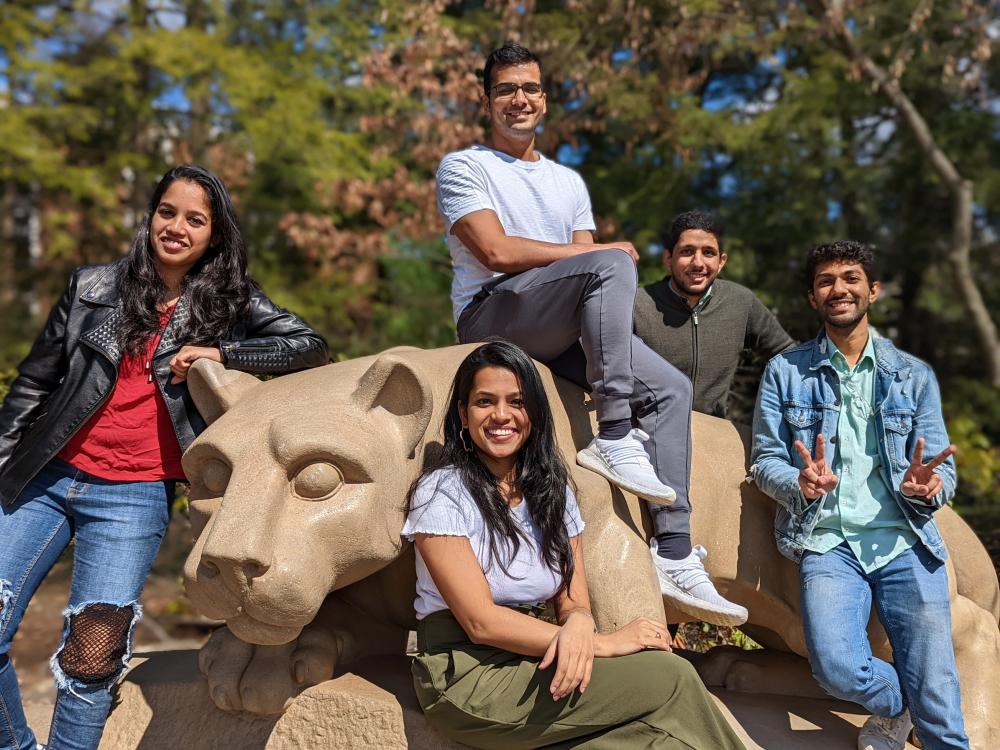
x=861 y=509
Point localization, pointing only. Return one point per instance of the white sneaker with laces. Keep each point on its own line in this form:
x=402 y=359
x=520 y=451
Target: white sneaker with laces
x=885 y=732
x=625 y=464
x=685 y=583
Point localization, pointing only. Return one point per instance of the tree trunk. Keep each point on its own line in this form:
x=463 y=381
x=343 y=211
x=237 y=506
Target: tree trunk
x=198 y=133
x=142 y=137
x=8 y=245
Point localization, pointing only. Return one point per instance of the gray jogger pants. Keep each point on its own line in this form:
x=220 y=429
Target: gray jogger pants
x=586 y=301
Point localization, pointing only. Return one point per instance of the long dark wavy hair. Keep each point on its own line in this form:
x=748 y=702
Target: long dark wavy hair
x=217 y=289
x=542 y=476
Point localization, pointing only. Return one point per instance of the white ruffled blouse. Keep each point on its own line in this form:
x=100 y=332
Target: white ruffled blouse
x=442 y=505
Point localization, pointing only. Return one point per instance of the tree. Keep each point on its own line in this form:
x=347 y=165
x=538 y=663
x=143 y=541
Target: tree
x=887 y=81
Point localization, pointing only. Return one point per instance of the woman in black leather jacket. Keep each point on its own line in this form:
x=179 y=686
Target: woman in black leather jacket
x=92 y=431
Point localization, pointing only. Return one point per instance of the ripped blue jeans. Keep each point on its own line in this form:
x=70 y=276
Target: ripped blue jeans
x=118 y=527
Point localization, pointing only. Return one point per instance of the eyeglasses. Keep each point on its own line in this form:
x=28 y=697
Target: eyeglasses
x=509 y=90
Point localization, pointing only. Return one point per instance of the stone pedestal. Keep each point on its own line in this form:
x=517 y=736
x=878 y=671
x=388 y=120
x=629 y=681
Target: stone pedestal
x=164 y=703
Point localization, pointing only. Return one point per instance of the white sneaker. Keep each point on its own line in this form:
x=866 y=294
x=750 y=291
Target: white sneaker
x=685 y=583
x=625 y=464
x=885 y=733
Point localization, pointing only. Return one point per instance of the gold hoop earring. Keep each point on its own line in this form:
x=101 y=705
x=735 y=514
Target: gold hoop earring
x=466 y=438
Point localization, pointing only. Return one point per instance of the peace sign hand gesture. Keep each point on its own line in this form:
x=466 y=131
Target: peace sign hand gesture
x=815 y=477
x=920 y=479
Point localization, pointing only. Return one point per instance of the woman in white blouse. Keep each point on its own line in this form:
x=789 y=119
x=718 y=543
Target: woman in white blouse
x=497 y=531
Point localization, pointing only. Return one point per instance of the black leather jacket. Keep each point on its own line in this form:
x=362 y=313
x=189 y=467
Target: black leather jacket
x=73 y=366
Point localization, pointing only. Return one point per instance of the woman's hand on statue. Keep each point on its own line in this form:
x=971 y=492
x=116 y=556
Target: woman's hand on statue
x=572 y=650
x=640 y=634
x=187 y=356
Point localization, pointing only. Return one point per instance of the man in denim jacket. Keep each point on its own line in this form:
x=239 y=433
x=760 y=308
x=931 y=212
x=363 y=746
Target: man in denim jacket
x=841 y=429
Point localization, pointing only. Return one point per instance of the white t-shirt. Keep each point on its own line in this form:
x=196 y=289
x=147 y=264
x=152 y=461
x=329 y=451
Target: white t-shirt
x=442 y=505
x=536 y=200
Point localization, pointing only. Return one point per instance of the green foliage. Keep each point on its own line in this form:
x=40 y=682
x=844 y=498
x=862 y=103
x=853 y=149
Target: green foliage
x=181 y=502
x=413 y=305
x=701 y=636
x=6 y=378
x=973 y=414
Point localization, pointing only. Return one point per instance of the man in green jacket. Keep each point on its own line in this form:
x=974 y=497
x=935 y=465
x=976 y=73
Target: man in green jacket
x=701 y=324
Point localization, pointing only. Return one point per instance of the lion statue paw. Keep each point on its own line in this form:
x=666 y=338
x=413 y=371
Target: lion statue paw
x=265 y=679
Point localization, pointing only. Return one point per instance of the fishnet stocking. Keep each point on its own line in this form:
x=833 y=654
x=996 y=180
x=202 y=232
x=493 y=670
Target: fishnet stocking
x=96 y=643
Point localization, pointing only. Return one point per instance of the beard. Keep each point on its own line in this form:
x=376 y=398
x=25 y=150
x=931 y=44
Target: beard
x=847 y=319
x=684 y=288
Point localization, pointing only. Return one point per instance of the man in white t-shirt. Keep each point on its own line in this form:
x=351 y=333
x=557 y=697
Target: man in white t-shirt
x=520 y=231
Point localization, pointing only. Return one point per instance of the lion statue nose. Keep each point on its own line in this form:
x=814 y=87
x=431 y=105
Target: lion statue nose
x=240 y=571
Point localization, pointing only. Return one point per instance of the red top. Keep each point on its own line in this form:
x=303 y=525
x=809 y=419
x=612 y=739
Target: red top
x=131 y=437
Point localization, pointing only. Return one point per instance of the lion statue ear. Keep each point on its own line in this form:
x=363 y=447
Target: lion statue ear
x=398 y=397
x=215 y=389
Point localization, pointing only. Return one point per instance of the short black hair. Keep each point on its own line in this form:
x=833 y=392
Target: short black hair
x=843 y=251
x=707 y=222
x=510 y=54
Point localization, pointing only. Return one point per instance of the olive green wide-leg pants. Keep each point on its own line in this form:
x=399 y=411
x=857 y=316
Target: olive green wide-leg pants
x=489 y=698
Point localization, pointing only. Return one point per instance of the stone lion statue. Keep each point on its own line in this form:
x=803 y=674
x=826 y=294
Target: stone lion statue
x=298 y=491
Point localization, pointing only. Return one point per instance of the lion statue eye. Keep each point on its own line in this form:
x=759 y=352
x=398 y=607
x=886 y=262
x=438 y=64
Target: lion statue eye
x=317 y=481
x=215 y=476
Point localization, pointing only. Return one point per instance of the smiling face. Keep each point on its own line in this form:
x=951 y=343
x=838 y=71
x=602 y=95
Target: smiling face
x=497 y=418
x=181 y=228
x=694 y=262
x=841 y=294
x=514 y=117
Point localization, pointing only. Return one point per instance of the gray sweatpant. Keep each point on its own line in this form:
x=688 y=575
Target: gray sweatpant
x=586 y=301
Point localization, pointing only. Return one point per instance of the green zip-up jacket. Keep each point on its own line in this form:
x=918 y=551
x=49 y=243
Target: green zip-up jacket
x=705 y=342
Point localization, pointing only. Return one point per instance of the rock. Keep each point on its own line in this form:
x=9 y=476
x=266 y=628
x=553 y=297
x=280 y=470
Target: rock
x=164 y=703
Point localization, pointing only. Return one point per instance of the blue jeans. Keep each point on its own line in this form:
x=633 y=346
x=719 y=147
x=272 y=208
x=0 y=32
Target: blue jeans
x=911 y=599
x=118 y=528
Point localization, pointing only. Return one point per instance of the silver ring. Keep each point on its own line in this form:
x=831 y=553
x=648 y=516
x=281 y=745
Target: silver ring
x=657 y=635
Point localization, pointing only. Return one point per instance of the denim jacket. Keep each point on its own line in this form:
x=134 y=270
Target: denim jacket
x=799 y=398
